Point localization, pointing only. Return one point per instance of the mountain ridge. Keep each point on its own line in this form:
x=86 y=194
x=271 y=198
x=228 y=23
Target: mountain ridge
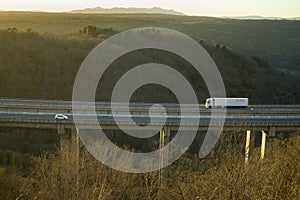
x=258 y=17
x=133 y=10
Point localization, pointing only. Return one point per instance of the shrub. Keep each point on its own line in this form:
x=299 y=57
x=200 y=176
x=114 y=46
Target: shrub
x=221 y=175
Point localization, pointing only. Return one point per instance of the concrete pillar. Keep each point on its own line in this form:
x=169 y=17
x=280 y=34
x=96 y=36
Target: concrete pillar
x=161 y=156
x=247 y=146
x=75 y=140
x=272 y=132
x=164 y=135
x=167 y=136
x=62 y=132
x=252 y=140
x=75 y=137
x=263 y=145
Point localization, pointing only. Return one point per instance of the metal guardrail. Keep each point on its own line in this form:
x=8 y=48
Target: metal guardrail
x=66 y=107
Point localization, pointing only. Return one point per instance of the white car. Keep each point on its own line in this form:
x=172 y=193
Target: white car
x=61 y=117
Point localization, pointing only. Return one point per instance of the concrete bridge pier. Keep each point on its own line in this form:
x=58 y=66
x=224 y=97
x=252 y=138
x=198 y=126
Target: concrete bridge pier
x=264 y=145
x=247 y=146
x=164 y=139
x=68 y=138
x=272 y=131
x=250 y=141
x=62 y=132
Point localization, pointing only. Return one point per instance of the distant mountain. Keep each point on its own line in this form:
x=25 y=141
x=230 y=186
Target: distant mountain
x=154 y=10
x=257 y=17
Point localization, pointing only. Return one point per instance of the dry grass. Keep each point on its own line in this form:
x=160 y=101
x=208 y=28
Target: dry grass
x=222 y=175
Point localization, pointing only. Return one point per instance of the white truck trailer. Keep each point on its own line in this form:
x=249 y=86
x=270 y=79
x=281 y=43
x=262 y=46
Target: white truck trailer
x=226 y=102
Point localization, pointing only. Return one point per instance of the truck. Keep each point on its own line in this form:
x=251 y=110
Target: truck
x=226 y=102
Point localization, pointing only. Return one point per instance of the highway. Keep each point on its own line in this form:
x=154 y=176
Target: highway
x=31 y=103
x=40 y=113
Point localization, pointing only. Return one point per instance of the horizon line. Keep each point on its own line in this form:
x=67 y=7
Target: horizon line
x=196 y=15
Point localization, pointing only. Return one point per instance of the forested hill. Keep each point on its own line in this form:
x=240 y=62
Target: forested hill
x=276 y=41
x=44 y=66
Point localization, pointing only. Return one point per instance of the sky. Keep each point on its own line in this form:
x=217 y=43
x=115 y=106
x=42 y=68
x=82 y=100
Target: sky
x=267 y=8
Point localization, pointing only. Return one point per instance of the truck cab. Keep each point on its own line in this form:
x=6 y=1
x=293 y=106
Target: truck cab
x=208 y=103
x=226 y=102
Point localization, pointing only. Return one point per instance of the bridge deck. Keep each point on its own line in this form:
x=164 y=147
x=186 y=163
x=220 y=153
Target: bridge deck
x=40 y=114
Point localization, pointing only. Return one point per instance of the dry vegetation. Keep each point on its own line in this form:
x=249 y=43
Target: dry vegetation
x=221 y=175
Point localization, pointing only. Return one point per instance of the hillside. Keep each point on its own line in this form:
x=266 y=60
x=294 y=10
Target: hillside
x=276 y=41
x=154 y=10
x=47 y=64
x=258 y=17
